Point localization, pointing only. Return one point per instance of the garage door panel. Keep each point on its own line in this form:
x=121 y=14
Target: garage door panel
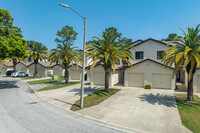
x=99 y=78
x=75 y=74
x=136 y=79
x=161 y=81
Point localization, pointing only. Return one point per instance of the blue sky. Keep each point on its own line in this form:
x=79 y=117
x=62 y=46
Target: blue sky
x=136 y=19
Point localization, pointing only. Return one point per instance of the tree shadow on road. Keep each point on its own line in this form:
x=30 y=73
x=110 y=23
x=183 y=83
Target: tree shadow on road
x=159 y=99
x=8 y=84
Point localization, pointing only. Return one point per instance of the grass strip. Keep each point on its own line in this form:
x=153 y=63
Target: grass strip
x=189 y=112
x=94 y=99
x=44 y=81
x=58 y=86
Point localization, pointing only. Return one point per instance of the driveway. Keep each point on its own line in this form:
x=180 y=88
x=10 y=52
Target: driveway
x=64 y=97
x=146 y=110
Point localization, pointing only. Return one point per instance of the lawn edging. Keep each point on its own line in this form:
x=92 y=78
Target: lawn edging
x=94 y=99
x=189 y=112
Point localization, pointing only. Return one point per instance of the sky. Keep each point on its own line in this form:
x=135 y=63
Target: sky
x=136 y=19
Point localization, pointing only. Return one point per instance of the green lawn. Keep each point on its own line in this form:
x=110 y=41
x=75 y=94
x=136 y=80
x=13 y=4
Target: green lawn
x=94 y=99
x=31 y=78
x=189 y=112
x=46 y=81
x=58 y=86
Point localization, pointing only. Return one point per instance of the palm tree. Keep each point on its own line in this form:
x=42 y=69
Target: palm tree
x=109 y=50
x=67 y=55
x=14 y=60
x=186 y=52
x=36 y=51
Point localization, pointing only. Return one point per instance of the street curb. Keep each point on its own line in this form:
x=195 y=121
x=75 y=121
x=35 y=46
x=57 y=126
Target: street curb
x=85 y=117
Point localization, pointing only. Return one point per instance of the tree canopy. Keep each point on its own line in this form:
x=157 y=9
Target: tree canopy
x=171 y=37
x=65 y=52
x=118 y=35
x=12 y=45
x=186 y=52
x=109 y=50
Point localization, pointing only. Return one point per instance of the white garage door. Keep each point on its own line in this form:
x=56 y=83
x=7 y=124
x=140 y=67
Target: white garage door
x=136 y=79
x=75 y=74
x=162 y=81
x=198 y=83
x=99 y=78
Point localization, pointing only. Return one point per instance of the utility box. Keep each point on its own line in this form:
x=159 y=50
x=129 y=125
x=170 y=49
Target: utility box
x=55 y=77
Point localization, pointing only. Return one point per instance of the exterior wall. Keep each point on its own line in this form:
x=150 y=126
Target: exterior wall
x=74 y=68
x=98 y=68
x=58 y=70
x=148 y=68
x=3 y=68
x=196 y=82
x=41 y=70
x=116 y=77
x=149 y=49
x=88 y=74
x=48 y=72
x=21 y=67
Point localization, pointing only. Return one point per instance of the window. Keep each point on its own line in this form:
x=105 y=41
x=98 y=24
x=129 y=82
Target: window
x=29 y=59
x=160 y=54
x=139 y=55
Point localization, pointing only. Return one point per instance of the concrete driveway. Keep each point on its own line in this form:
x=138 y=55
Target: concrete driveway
x=64 y=97
x=136 y=108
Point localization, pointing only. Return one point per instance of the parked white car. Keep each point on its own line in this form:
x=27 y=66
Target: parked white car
x=19 y=74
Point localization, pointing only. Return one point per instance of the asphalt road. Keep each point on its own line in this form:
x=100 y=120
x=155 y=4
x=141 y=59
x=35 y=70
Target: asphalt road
x=22 y=112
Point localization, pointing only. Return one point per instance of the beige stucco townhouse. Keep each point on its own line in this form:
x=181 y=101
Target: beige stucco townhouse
x=147 y=68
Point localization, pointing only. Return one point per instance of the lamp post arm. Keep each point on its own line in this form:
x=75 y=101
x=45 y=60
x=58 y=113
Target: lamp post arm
x=77 y=12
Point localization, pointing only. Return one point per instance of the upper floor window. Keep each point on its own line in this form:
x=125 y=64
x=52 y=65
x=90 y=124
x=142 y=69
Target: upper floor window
x=139 y=55
x=160 y=54
x=29 y=59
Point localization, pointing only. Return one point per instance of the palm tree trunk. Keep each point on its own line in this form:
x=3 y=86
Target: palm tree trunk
x=36 y=70
x=14 y=66
x=107 y=77
x=190 y=83
x=66 y=75
x=190 y=90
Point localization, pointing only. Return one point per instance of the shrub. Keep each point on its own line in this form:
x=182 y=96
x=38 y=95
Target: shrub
x=147 y=86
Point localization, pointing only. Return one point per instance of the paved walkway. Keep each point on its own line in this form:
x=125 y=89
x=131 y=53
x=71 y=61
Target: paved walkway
x=147 y=110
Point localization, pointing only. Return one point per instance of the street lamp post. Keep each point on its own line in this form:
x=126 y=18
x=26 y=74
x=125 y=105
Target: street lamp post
x=84 y=46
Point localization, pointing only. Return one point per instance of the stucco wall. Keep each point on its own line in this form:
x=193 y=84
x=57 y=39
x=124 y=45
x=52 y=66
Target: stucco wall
x=58 y=70
x=196 y=81
x=116 y=77
x=40 y=68
x=148 y=68
x=97 y=69
x=21 y=67
x=149 y=49
x=3 y=69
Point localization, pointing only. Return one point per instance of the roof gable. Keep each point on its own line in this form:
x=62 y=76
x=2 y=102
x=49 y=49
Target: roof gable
x=150 y=61
x=150 y=39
